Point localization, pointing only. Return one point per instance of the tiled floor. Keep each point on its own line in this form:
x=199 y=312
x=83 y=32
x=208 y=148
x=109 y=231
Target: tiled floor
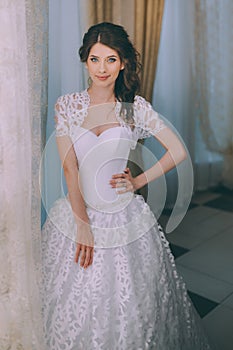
x=203 y=248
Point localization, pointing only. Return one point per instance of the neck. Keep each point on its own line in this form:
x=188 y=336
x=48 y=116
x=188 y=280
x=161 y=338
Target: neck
x=101 y=95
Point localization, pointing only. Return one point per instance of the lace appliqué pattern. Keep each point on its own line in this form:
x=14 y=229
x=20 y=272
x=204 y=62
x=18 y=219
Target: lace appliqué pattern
x=147 y=121
x=131 y=297
x=71 y=110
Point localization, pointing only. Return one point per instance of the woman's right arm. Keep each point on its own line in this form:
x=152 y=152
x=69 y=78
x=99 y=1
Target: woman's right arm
x=85 y=242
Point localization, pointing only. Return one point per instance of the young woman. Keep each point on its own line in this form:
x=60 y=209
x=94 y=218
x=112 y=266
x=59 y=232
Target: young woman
x=110 y=280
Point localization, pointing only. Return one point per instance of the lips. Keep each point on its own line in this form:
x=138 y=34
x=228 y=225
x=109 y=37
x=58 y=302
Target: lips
x=102 y=77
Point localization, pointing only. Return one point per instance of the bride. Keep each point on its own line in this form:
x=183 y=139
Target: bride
x=109 y=278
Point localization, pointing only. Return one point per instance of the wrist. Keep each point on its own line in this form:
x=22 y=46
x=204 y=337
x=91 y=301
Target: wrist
x=81 y=221
x=140 y=181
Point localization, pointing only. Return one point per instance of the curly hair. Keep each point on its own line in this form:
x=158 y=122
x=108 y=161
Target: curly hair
x=127 y=84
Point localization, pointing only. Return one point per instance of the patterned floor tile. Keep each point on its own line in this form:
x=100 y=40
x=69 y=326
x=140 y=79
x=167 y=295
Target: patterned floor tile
x=168 y=211
x=229 y=301
x=202 y=305
x=218 y=324
x=177 y=250
x=206 y=286
x=204 y=196
x=224 y=191
x=224 y=202
x=191 y=235
x=213 y=257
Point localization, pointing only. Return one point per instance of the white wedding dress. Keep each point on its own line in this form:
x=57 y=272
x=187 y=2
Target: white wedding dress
x=131 y=297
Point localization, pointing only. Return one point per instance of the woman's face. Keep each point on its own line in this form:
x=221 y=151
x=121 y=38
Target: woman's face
x=104 y=65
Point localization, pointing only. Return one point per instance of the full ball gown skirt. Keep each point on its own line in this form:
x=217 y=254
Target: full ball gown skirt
x=130 y=298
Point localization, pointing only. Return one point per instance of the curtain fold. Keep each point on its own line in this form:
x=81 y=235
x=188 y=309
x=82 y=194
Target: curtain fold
x=23 y=88
x=118 y=12
x=102 y=11
x=214 y=78
x=37 y=62
x=175 y=93
x=148 y=22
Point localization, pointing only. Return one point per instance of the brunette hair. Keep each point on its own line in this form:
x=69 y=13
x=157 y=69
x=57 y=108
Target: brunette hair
x=114 y=36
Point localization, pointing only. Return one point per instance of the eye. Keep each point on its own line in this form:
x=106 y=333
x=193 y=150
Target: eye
x=111 y=59
x=94 y=59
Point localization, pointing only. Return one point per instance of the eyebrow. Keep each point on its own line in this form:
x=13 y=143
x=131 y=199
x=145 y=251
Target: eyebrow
x=106 y=57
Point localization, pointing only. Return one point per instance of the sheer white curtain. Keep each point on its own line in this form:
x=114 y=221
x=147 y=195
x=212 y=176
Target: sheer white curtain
x=22 y=48
x=175 y=91
x=214 y=75
x=67 y=24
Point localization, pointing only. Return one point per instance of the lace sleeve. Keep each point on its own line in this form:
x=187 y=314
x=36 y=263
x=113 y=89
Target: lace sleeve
x=61 y=116
x=147 y=121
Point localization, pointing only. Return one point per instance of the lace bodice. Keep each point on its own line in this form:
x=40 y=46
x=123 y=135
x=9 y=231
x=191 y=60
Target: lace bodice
x=71 y=110
x=99 y=157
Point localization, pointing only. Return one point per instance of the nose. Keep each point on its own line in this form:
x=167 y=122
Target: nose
x=102 y=66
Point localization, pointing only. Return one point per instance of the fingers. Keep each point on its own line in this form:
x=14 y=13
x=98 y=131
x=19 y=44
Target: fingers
x=78 y=249
x=86 y=257
x=92 y=254
x=119 y=176
x=115 y=182
x=118 y=183
x=123 y=180
x=124 y=185
x=127 y=187
x=125 y=175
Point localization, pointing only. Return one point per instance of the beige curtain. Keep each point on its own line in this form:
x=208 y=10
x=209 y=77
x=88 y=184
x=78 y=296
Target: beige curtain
x=23 y=90
x=119 y=12
x=147 y=24
x=102 y=10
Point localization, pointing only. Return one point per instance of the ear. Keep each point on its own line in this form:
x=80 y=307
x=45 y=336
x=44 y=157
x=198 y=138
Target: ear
x=122 y=67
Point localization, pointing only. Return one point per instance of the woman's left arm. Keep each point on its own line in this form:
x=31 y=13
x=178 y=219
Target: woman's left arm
x=175 y=154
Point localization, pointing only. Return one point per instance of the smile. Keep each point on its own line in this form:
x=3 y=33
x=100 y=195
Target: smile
x=102 y=77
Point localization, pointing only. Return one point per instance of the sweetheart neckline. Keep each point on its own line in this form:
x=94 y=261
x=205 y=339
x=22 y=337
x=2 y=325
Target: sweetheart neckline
x=97 y=136
x=117 y=113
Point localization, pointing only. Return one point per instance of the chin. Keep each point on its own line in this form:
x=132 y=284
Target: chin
x=104 y=83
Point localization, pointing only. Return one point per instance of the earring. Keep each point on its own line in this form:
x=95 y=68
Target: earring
x=89 y=81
